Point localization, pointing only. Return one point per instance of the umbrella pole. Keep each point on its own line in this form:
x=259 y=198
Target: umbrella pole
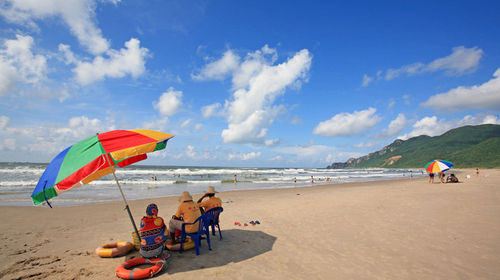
x=124 y=200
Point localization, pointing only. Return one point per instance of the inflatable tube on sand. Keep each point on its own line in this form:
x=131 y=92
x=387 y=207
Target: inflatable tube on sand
x=114 y=249
x=188 y=244
x=126 y=271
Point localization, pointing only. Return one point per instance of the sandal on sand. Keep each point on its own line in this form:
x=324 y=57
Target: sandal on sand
x=237 y=224
x=257 y=222
x=245 y=224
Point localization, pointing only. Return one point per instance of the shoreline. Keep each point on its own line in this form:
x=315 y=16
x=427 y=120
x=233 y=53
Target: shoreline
x=405 y=229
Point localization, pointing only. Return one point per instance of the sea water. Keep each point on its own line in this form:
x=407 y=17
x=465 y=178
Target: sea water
x=17 y=181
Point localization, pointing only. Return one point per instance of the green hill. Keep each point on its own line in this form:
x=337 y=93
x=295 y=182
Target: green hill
x=467 y=146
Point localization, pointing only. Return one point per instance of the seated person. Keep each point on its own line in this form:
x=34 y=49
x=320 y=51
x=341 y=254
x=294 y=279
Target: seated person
x=211 y=202
x=452 y=179
x=152 y=233
x=187 y=212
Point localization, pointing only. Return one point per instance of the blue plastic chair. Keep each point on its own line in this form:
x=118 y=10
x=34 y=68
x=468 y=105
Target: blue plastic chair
x=203 y=229
x=214 y=219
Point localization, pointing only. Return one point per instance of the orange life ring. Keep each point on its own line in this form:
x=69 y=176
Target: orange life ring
x=124 y=272
x=114 y=249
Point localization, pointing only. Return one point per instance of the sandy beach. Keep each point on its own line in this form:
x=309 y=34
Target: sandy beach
x=399 y=229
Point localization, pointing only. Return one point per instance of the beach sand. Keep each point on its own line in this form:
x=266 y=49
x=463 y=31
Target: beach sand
x=400 y=229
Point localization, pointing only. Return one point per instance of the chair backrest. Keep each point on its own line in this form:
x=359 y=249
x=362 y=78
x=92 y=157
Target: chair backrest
x=214 y=213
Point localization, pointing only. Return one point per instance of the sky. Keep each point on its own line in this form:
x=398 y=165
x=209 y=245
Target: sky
x=245 y=83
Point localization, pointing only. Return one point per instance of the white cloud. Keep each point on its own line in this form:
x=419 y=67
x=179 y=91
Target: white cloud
x=272 y=142
x=127 y=61
x=219 y=69
x=82 y=127
x=252 y=112
x=19 y=64
x=157 y=124
x=169 y=102
x=4 y=122
x=8 y=144
x=211 y=110
x=79 y=15
x=431 y=126
x=395 y=126
x=257 y=82
x=366 y=80
x=366 y=145
x=346 y=124
x=321 y=153
x=242 y=156
x=185 y=123
x=190 y=151
x=484 y=96
x=461 y=61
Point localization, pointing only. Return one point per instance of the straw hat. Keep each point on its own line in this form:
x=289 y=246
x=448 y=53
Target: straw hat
x=210 y=189
x=185 y=197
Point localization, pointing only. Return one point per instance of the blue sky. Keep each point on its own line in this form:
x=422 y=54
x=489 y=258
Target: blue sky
x=260 y=83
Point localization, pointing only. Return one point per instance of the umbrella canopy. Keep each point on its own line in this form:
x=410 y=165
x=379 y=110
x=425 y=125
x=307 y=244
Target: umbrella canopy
x=94 y=157
x=438 y=166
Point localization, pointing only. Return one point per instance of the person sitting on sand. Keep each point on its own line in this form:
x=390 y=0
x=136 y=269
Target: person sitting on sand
x=187 y=212
x=452 y=179
x=211 y=202
x=152 y=231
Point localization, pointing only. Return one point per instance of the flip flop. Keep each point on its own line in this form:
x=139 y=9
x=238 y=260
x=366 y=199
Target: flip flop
x=257 y=222
x=245 y=225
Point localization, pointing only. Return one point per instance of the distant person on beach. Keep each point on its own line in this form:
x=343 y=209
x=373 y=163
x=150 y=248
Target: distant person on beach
x=452 y=179
x=431 y=178
x=477 y=172
x=211 y=202
x=312 y=180
x=294 y=180
x=235 y=180
x=187 y=212
x=152 y=231
x=442 y=178
x=411 y=174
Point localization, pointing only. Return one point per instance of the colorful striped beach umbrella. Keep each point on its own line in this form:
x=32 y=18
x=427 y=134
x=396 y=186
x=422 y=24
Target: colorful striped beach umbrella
x=438 y=166
x=95 y=157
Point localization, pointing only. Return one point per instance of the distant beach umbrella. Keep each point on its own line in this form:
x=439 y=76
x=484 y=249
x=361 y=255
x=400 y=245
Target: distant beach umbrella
x=438 y=166
x=95 y=157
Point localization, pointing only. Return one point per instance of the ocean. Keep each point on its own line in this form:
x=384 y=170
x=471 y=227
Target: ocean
x=17 y=181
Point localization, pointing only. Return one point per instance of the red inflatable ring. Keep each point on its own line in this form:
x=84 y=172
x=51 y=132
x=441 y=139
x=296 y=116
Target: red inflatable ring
x=126 y=271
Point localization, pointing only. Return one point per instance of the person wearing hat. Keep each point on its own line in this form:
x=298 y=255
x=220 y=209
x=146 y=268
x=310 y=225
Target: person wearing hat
x=187 y=212
x=152 y=231
x=211 y=202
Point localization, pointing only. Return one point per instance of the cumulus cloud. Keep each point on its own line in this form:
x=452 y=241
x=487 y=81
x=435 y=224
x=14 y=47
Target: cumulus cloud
x=19 y=64
x=211 y=110
x=169 y=102
x=256 y=84
x=127 y=61
x=82 y=127
x=219 y=69
x=484 y=96
x=79 y=15
x=346 y=124
x=461 y=61
x=395 y=126
x=242 y=156
x=431 y=126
